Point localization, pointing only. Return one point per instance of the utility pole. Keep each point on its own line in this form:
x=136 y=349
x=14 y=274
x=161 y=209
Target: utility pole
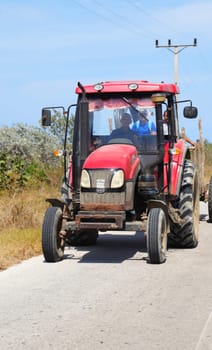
x=175 y=49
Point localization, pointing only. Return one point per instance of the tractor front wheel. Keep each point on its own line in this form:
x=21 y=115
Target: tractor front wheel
x=52 y=244
x=156 y=236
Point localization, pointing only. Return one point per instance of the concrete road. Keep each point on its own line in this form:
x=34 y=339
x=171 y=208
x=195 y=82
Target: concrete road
x=109 y=297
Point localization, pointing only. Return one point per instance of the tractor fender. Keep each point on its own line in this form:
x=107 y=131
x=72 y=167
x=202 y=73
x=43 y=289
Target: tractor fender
x=55 y=202
x=156 y=203
x=178 y=155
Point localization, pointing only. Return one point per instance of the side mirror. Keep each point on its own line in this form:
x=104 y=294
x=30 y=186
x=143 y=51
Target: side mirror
x=46 y=117
x=190 y=112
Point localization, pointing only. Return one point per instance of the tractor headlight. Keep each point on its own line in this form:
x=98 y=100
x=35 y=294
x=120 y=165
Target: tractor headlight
x=117 y=179
x=85 y=179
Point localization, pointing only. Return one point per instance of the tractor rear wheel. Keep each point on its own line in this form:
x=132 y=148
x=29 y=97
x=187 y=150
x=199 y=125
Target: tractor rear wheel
x=185 y=233
x=52 y=244
x=156 y=236
x=210 y=200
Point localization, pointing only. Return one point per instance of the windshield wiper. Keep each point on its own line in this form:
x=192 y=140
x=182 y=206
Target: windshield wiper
x=133 y=107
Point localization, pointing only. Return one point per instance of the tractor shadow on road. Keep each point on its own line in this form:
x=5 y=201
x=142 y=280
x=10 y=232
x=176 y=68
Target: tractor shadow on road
x=114 y=248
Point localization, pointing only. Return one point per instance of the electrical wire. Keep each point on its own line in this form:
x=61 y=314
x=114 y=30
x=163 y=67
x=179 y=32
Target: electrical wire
x=98 y=14
x=155 y=19
x=124 y=20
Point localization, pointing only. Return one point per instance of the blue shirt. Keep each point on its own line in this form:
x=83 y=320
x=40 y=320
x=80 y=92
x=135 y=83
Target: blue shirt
x=144 y=128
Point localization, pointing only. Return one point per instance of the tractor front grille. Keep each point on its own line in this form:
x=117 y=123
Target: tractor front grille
x=96 y=175
x=102 y=196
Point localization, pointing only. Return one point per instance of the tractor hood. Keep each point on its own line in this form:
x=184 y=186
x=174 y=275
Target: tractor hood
x=115 y=156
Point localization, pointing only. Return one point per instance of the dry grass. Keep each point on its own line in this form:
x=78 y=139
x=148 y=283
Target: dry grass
x=208 y=173
x=17 y=245
x=23 y=209
x=21 y=216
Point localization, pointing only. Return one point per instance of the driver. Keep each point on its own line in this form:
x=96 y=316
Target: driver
x=124 y=131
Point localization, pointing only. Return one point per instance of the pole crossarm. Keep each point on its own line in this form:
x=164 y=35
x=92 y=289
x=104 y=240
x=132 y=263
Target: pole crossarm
x=168 y=46
x=176 y=45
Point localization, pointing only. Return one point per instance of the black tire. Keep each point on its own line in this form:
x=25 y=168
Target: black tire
x=84 y=238
x=185 y=233
x=210 y=200
x=156 y=236
x=52 y=244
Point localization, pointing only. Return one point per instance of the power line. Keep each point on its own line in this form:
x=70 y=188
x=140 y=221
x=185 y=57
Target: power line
x=125 y=19
x=134 y=29
x=96 y=13
x=146 y=13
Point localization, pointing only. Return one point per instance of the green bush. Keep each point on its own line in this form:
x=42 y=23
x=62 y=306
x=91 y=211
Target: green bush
x=26 y=155
x=16 y=172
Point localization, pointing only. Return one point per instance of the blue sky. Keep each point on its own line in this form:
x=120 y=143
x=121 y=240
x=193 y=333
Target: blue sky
x=46 y=47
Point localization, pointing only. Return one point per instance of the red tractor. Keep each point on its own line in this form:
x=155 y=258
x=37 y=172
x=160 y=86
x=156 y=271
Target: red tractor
x=129 y=178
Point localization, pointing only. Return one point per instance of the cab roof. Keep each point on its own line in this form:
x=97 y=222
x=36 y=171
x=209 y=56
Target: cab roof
x=129 y=85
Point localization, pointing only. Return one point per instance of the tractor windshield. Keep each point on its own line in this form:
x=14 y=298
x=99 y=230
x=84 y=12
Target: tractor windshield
x=123 y=120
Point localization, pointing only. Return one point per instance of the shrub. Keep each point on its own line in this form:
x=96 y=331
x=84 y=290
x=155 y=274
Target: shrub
x=26 y=152
x=28 y=142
